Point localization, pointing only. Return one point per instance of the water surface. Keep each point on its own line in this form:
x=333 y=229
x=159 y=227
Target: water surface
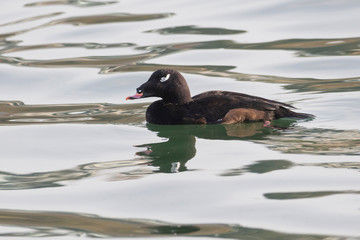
x=80 y=161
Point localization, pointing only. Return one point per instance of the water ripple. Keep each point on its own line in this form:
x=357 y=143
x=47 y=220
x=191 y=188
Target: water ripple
x=51 y=224
x=302 y=195
x=295 y=84
x=84 y=20
x=137 y=62
x=316 y=140
x=190 y=29
x=108 y=18
x=304 y=47
x=30 y=19
x=266 y=166
x=17 y=113
x=113 y=170
x=76 y=3
x=86 y=45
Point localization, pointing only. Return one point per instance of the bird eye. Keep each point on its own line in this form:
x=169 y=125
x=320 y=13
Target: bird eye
x=163 y=79
x=139 y=91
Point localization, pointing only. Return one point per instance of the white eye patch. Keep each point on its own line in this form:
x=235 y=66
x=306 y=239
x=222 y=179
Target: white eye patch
x=163 y=79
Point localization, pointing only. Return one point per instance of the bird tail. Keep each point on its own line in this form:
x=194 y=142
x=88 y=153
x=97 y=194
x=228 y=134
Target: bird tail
x=283 y=112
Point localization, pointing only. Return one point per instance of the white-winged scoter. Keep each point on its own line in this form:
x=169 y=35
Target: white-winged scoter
x=178 y=107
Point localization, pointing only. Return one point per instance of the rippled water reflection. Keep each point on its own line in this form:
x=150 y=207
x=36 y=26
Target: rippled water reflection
x=109 y=64
x=15 y=113
x=77 y=3
x=71 y=145
x=37 y=224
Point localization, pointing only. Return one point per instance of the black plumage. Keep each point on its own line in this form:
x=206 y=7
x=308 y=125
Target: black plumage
x=178 y=107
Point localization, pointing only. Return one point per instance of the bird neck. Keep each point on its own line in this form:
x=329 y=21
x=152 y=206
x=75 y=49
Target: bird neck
x=179 y=97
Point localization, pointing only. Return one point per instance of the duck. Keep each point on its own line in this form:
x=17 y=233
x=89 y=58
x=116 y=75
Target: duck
x=177 y=106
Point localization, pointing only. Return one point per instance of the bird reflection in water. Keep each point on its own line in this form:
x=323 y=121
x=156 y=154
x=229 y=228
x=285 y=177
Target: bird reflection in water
x=172 y=155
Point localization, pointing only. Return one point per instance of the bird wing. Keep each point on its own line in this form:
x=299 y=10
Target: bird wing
x=241 y=99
